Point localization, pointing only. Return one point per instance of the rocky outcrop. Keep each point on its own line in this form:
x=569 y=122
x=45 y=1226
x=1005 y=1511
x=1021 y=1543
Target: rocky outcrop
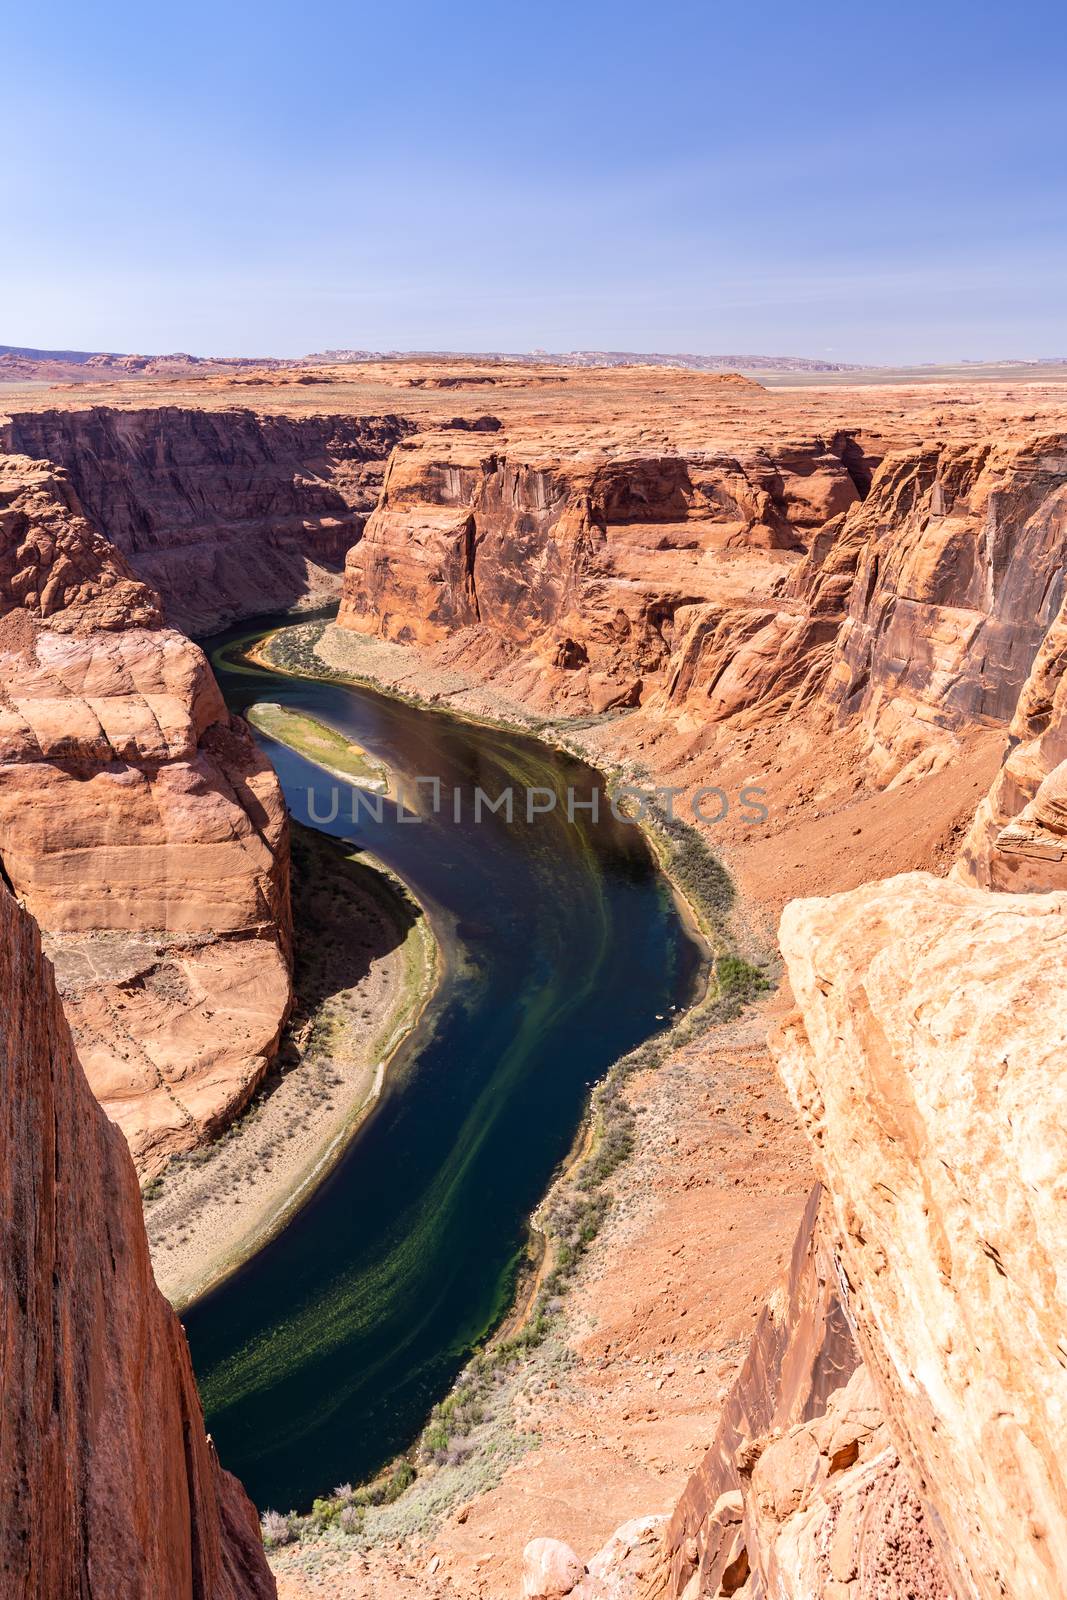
x=897 y=1427
x=802 y=1492
x=139 y=824
x=618 y=1571
x=225 y=513
x=961 y=554
x=904 y=593
x=593 y=567
x=113 y=1489
x=929 y=1069
x=913 y=617
x=1019 y=837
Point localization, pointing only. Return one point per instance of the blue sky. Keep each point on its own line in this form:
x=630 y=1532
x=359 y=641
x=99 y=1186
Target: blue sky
x=884 y=183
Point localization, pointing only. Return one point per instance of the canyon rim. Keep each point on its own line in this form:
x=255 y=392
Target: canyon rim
x=533 y=842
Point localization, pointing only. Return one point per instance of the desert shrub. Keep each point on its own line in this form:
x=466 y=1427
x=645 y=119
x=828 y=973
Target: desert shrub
x=738 y=979
x=324 y=1514
x=352 y=1519
x=276 y=1529
x=402 y=1477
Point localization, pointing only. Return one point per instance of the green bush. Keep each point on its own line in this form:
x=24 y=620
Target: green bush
x=738 y=979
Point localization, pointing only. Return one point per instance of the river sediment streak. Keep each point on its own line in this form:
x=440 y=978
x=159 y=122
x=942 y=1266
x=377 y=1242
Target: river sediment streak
x=321 y=1357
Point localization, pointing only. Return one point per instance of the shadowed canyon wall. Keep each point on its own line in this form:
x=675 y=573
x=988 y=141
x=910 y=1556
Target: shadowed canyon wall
x=112 y=1489
x=225 y=513
x=140 y=825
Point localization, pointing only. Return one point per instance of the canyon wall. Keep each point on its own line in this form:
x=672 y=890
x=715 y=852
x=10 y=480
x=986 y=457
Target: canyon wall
x=897 y=1427
x=112 y=1488
x=225 y=513
x=903 y=593
x=585 y=569
x=139 y=824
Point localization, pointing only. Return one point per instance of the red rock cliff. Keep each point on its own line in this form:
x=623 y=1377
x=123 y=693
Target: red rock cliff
x=903 y=593
x=225 y=513
x=929 y=1067
x=140 y=824
x=111 y=1487
x=590 y=566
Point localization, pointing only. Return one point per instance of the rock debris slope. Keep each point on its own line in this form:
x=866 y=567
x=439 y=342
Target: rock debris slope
x=140 y=825
x=112 y=1489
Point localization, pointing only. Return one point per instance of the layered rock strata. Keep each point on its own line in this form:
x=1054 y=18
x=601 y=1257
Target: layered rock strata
x=112 y=1487
x=225 y=513
x=803 y=1492
x=139 y=824
x=929 y=1068
x=589 y=565
x=904 y=594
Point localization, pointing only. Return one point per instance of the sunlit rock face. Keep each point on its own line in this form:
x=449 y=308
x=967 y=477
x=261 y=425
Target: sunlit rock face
x=594 y=570
x=929 y=1063
x=140 y=826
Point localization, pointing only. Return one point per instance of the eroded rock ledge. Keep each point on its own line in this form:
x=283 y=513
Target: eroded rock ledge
x=930 y=1068
x=140 y=825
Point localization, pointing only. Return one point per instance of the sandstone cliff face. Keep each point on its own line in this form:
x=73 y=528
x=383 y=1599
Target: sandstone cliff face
x=1019 y=837
x=914 y=616
x=593 y=566
x=225 y=513
x=960 y=554
x=112 y=1488
x=900 y=593
x=802 y=1493
x=140 y=825
x=929 y=1070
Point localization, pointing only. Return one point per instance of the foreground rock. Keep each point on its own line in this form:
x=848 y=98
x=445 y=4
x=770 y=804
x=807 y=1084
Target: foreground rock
x=930 y=1071
x=803 y=1492
x=897 y=1427
x=113 y=1488
x=140 y=825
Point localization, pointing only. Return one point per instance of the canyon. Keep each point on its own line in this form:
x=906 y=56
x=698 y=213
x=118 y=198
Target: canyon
x=851 y=597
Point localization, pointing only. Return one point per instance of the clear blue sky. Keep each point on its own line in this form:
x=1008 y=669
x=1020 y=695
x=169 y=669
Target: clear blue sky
x=880 y=183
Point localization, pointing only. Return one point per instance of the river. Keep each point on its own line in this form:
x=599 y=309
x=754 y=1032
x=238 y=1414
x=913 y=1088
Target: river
x=321 y=1357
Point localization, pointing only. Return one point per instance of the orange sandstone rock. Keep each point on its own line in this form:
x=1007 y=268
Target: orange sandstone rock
x=113 y=1489
x=139 y=824
x=929 y=1068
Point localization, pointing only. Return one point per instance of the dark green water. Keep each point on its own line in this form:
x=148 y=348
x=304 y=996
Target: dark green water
x=321 y=1357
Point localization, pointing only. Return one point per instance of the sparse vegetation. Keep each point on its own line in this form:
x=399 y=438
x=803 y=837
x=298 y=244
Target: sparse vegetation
x=276 y=1529
x=320 y=743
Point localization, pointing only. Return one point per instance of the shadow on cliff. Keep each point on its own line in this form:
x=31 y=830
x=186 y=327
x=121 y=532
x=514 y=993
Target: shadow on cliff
x=346 y=917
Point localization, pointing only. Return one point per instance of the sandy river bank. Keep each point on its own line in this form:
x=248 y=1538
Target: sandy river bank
x=367 y=964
